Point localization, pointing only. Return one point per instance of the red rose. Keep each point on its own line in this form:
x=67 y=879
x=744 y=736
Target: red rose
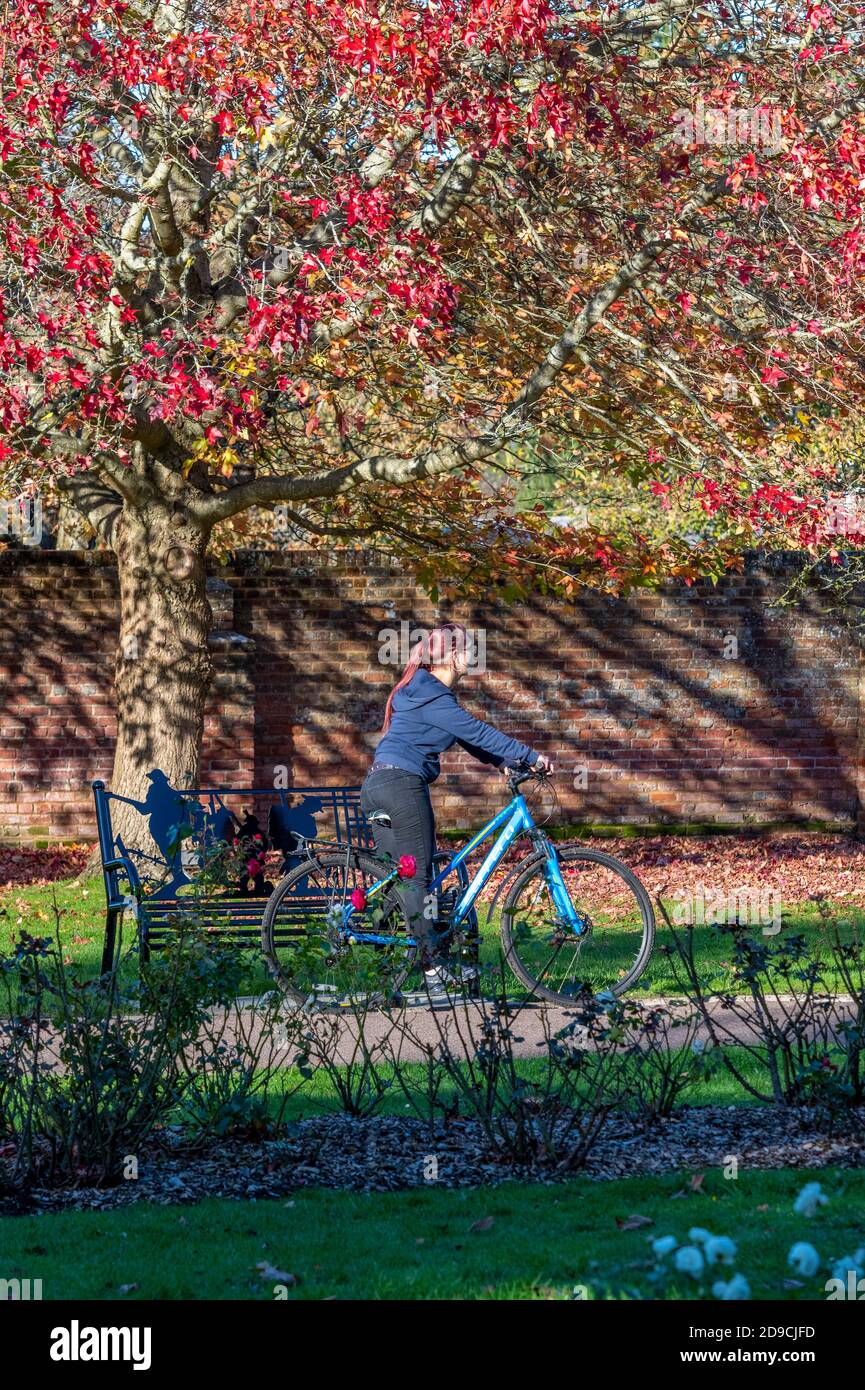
x=407 y=866
x=358 y=899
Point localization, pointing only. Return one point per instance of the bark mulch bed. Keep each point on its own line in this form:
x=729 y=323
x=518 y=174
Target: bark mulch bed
x=388 y=1154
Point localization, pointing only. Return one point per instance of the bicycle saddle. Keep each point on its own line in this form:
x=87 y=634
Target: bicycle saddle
x=379 y=817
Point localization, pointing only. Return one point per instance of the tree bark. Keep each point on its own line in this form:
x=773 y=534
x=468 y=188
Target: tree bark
x=163 y=668
x=73 y=531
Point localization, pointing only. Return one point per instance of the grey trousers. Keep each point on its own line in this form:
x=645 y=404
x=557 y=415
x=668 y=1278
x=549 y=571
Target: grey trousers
x=405 y=798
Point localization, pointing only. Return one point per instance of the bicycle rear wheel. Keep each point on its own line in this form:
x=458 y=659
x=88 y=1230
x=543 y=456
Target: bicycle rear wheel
x=544 y=953
x=313 y=960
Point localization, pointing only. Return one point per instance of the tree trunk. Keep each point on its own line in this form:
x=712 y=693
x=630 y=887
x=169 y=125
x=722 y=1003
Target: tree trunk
x=73 y=531
x=163 y=670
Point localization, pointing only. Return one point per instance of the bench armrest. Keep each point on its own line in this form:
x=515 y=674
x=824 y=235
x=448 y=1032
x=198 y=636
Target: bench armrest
x=131 y=873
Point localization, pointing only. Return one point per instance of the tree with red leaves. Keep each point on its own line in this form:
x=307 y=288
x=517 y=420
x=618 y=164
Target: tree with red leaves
x=345 y=257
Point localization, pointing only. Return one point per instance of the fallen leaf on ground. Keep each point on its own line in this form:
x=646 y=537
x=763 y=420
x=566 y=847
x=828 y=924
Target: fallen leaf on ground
x=279 y=1276
x=633 y=1222
x=483 y=1224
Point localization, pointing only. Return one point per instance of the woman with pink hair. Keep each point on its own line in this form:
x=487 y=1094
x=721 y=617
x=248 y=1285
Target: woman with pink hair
x=423 y=719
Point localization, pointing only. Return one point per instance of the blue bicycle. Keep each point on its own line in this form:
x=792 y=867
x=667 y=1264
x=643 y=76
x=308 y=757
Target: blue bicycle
x=335 y=929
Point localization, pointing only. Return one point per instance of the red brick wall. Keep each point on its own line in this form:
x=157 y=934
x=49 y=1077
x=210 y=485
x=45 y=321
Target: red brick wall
x=636 y=692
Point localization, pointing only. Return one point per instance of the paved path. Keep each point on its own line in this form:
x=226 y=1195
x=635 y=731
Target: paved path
x=422 y=1028
x=419 y=1029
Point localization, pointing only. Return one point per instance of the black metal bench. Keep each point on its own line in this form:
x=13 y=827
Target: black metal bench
x=182 y=824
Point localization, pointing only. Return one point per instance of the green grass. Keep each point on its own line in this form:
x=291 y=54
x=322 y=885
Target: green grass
x=81 y=903
x=713 y=949
x=519 y=1241
x=699 y=830
x=317 y=1095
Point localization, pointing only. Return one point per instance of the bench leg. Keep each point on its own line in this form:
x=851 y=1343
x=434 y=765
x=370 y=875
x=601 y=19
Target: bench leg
x=110 y=940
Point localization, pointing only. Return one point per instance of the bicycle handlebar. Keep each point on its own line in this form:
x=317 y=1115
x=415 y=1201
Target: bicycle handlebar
x=517 y=777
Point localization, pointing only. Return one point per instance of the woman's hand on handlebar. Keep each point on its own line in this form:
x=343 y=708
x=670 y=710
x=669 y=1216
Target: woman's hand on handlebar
x=543 y=766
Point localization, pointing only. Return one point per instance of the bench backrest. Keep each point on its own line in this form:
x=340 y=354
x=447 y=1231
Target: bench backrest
x=182 y=824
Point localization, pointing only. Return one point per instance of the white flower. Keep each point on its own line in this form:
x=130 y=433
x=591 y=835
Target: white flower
x=719 y=1250
x=804 y=1259
x=698 y=1046
x=810 y=1198
x=689 y=1261
x=738 y=1287
x=663 y=1245
x=698 y=1235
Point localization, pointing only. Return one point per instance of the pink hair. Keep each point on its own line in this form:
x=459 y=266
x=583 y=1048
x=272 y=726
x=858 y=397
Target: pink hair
x=432 y=650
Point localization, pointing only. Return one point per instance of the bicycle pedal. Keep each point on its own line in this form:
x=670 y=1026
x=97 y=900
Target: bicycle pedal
x=445 y=907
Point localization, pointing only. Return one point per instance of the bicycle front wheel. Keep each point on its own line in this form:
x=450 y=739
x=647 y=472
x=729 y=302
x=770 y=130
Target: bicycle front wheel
x=543 y=951
x=308 y=952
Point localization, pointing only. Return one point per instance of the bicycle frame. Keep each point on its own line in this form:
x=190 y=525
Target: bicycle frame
x=513 y=820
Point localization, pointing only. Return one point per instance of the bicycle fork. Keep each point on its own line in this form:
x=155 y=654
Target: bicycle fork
x=569 y=917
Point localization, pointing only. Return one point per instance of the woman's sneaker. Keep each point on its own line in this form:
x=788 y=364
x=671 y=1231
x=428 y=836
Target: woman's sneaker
x=441 y=981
